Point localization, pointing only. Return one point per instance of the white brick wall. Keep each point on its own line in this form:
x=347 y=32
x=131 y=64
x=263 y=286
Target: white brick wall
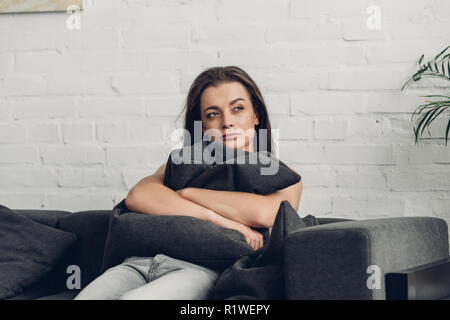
x=85 y=114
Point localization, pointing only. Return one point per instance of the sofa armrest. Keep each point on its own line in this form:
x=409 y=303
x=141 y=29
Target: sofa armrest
x=426 y=282
x=349 y=260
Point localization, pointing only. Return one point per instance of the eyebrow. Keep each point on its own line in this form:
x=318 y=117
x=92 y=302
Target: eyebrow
x=231 y=103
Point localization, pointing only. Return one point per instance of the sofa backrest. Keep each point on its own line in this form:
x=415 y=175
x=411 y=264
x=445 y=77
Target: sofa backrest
x=332 y=220
x=47 y=217
x=91 y=228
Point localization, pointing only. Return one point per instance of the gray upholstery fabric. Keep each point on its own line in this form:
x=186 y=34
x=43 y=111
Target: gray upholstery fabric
x=330 y=261
x=46 y=217
x=87 y=253
x=260 y=275
x=228 y=173
x=332 y=220
x=340 y=245
x=181 y=237
x=91 y=228
x=28 y=251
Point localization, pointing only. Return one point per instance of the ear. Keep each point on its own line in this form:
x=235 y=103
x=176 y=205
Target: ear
x=256 y=118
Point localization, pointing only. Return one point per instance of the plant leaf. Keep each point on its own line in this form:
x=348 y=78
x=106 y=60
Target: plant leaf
x=428 y=117
x=436 y=95
x=446 y=132
x=437 y=114
x=447 y=56
x=420 y=108
x=428 y=112
x=443 y=67
x=437 y=57
x=436 y=75
x=448 y=67
x=441 y=53
x=420 y=121
x=421 y=58
x=430 y=67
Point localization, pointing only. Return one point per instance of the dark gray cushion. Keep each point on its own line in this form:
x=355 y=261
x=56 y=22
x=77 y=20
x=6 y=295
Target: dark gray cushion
x=259 y=172
x=46 y=217
x=185 y=237
x=181 y=237
x=28 y=251
x=259 y=275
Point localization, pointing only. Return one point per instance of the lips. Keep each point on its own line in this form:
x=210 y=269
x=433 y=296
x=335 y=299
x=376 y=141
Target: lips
x=229 y=136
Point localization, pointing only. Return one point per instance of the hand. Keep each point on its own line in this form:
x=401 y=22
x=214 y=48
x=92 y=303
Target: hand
x=253 y=238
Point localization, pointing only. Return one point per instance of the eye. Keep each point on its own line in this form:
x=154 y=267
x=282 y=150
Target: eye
x=209 y=115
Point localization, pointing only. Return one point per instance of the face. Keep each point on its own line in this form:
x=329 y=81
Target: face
x=227 y=109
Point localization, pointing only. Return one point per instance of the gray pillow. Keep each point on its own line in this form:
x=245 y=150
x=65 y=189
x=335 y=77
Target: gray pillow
x=188 y=238
x=181 y=237
x=28 y=251
x=254 y=172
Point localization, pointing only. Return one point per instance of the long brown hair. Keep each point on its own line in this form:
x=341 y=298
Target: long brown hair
x=212 y=77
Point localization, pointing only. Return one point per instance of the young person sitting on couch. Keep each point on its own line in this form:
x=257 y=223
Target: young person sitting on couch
x=228 y=100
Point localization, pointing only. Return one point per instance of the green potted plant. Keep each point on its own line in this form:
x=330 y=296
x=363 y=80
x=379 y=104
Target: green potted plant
x=438 y=67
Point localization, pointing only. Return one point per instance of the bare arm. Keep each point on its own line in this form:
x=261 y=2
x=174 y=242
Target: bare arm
x=248 y=208
x=151 y=196
x=243 y=207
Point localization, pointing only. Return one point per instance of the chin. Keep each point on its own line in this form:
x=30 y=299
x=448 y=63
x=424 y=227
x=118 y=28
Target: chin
x=232 y=144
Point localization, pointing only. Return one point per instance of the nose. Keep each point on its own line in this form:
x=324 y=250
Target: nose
x=228 y=121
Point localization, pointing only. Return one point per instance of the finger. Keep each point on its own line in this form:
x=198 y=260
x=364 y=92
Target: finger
x=255 y=241
x=260 y=242
x=251 y=236
x=249 y=240
x=252 y=242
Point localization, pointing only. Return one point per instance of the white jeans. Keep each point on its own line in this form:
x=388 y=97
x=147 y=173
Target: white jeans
x=152 y=278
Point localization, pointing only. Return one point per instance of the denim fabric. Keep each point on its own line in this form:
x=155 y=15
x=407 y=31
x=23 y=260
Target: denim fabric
x=152 y=278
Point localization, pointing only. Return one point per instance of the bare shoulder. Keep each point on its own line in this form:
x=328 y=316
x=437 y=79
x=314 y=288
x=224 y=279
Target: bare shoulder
x=157 y=176
x=161 y=169
x=142 y=187
x=159 y=173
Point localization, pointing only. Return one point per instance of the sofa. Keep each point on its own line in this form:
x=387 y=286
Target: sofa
x=338 y=259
